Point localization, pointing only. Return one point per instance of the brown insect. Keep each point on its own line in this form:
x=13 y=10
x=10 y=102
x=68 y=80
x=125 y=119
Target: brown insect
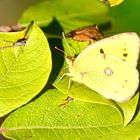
x=87 y=33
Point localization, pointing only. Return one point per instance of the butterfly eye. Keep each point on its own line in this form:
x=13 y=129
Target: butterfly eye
x=108 y=71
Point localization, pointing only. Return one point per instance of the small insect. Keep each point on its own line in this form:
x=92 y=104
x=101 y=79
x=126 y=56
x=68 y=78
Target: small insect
x=112 y=3
x=87 y=33
x=19 y=42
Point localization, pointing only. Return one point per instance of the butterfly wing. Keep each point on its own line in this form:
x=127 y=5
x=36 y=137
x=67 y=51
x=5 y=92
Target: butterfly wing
x=102 y=67
x=124 y=46
x=111 y=77
x=112 y=2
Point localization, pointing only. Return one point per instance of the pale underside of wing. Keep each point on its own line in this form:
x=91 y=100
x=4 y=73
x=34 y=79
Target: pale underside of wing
x=110 y=77
x=109 y=66
x=124 y=46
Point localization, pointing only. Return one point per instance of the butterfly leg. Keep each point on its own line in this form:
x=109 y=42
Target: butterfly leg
x=62 y=77
x=70 y=83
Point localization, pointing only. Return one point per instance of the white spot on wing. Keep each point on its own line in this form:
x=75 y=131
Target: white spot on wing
x=108 y=71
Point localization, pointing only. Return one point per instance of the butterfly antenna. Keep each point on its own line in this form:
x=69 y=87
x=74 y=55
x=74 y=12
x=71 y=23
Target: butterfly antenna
x=66 y=43
x=59 y=49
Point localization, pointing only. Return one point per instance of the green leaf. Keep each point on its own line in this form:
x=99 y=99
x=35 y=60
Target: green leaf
x=45 y=119
x=69 y=14
x=129 y=108
x=24 y=69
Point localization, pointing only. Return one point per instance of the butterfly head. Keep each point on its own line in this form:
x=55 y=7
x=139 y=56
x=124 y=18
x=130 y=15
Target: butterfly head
x=70 y=60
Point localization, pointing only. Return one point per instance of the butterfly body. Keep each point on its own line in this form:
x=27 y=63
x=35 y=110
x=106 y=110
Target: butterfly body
x=109 y=66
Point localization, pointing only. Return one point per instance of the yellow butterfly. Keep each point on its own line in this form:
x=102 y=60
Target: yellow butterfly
x=112 y=2
x=108 y=66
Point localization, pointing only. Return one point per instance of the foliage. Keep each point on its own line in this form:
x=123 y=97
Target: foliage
x=25 y=70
